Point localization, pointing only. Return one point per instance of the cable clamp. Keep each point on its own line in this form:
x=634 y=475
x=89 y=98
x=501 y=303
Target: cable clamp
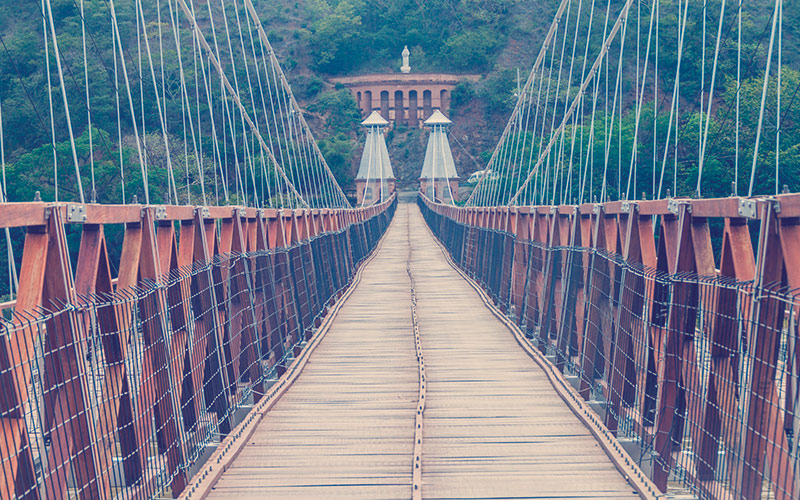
x=674 y=206
x=776 y=204
x=76 y=213
x=748 y=208
x=161 y=212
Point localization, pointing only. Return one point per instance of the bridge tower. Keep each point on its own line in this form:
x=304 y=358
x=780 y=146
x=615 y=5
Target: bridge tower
x=439 y=178
x=375 y=180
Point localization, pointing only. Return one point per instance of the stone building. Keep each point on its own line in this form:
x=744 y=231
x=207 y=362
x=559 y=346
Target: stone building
x=439 y=178
x=404 y=98
x=375 y=180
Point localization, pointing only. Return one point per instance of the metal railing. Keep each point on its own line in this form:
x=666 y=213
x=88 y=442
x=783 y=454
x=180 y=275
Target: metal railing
x=662 y=316
x=119 y=386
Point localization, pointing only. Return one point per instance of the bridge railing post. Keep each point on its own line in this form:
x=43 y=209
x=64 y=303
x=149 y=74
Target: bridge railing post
x=684 y=358
x=520 y=227
x=569 y=224
x=764 y=445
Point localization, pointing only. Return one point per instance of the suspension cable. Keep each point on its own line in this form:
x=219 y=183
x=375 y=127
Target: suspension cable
x=775 y=16
x=13 y=278
x=539 y=58
x=237 y=100
x=50 y=101
x=161 y=113
x=93 y=196
x=704 y=136
x=263 y=36
x=142 y=163
x=673 y=112
x=778 y=97
x=623 y=15
x=640 y=101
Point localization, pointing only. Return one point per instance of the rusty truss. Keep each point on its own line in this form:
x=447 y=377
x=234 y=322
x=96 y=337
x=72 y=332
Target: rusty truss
x=116 y=384
x=675 y=319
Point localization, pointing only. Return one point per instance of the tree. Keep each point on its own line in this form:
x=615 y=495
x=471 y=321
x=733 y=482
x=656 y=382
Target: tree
x=471 y=50
x=336 y=39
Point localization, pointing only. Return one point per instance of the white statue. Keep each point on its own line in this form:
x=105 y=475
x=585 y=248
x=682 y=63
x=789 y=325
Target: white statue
x=405 y=68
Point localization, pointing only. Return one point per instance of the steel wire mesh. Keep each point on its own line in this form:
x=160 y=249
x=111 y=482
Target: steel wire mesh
x=120 y=395
x=697 y=376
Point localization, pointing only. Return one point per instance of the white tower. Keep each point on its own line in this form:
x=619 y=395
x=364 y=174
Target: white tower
x=375 y=179
x=439 y=179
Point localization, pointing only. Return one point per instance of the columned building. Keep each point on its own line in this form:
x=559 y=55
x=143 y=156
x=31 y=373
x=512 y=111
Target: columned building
x=405 y=98
x=439 y=178
x=375 y=180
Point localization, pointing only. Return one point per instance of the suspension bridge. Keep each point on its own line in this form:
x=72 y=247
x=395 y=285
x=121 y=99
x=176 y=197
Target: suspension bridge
x=195 y=309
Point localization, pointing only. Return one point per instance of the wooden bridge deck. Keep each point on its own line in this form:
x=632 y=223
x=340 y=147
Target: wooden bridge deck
x=493 y=426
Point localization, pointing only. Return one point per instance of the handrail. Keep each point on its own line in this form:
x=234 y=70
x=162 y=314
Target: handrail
x=670 y=322
x=121 y=385
x=22 y=214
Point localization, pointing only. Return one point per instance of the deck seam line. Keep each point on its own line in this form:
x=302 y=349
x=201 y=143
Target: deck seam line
x=622 y=461
x=416 y=473
x=206 y=478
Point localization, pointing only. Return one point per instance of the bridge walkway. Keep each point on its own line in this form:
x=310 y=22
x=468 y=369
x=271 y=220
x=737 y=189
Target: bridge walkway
x=493 y=425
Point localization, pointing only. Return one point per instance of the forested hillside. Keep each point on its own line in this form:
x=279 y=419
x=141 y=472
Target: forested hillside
x=313 y=38
x=316 y=39
x=320 y=38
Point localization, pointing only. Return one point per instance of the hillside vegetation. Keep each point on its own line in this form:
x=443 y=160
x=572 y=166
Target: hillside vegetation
x=316 y=39
x=322 y=38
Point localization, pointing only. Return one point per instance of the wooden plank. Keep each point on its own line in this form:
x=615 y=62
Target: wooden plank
x=493 y=425
x=346 y=424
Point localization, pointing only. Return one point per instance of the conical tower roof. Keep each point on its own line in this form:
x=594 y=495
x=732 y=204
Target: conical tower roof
x=439 y=162
x=437 y=118
x=375 y=162
x=374 y=120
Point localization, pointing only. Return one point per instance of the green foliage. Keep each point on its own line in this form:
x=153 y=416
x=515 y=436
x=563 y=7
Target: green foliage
x=341 y=117
x=679 y=177
x=338 y=152
x=461 y=97
x=339 y=108
x=351 y=35
x=471 y=50
x=337 y=38
x=498 y=91
x=307 y=87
